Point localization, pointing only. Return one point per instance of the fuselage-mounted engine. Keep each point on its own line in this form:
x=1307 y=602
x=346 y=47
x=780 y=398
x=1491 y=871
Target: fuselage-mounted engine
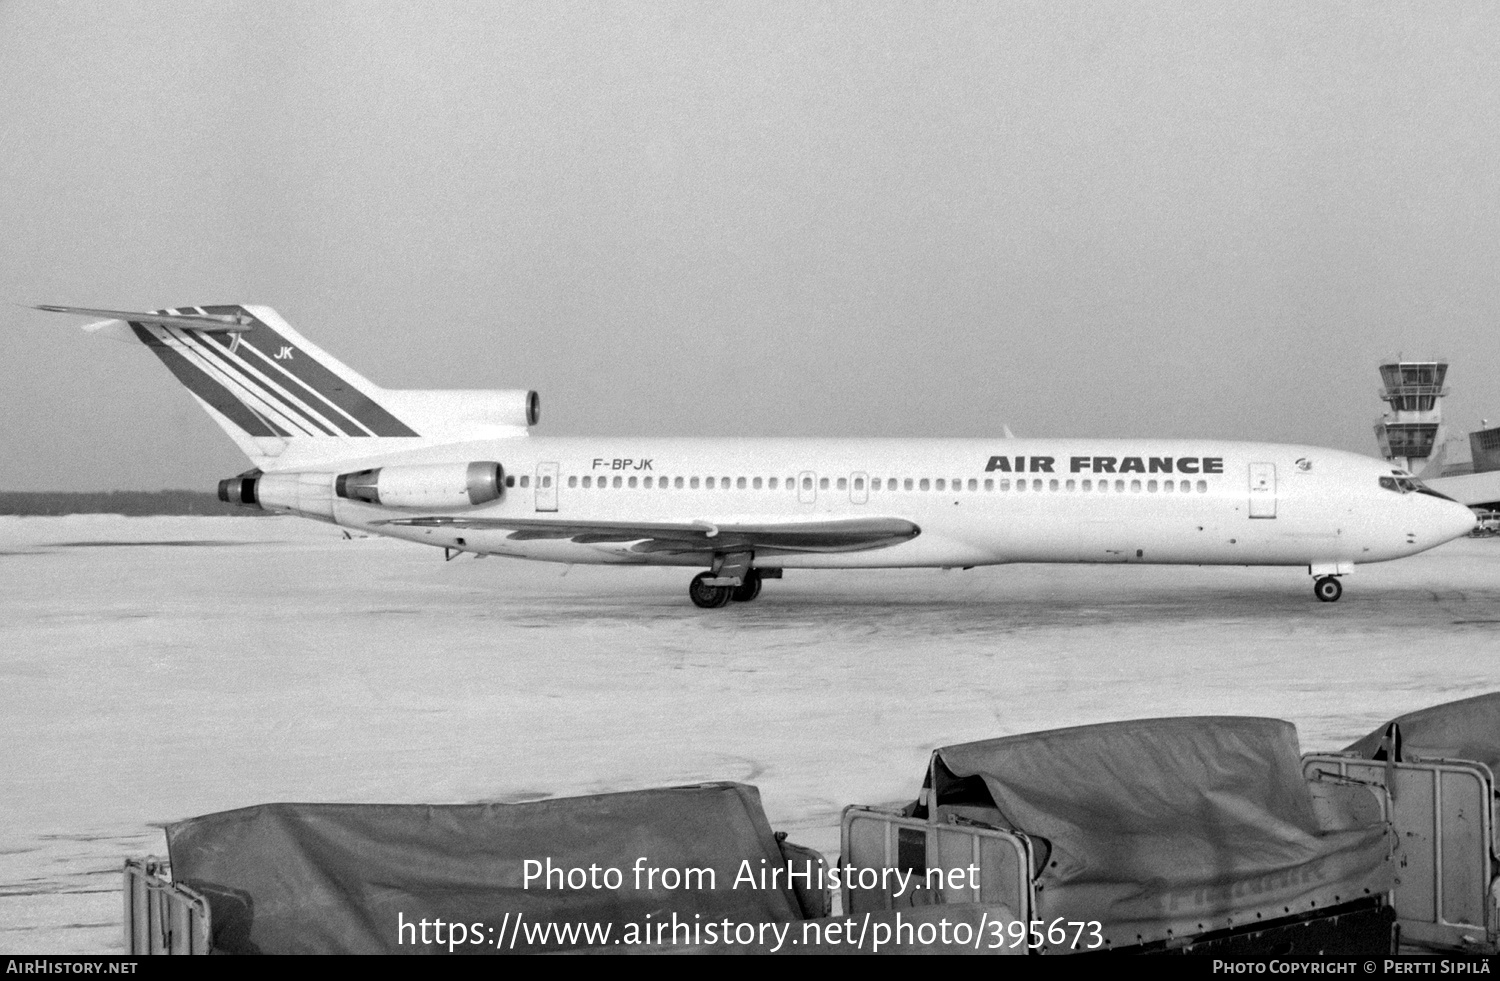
x=430 y=485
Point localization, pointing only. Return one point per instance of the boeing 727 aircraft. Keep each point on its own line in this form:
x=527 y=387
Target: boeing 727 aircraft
x=459 y=470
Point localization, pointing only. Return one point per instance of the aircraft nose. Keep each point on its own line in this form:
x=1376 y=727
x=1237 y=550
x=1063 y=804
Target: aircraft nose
x=1457 y=520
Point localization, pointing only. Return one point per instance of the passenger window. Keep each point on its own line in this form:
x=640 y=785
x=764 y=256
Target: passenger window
x=941 y=484
x=843 y=483
x=757 y=483
x=973 y=484
x=1005 y=485
x=907 y=483
x=1071 y=484
x=632 y=482
x=1151 y=486
x=572 y=481
x=958 y=484
x=693 y=484
x=1087 y=485
x=723 y=483
x=989 y=484
x=526 y=481
x=617 y=483
x=1119 y=487
x=807 y=483
x=547 y=480
x=874 y=483
x=1052 y=484
x=859 y=483
x=740 y=483
x=588 y=481
x=822 y=483
x=925 y=484
x=646 y=483
x=510 y=481
x=1020 y=486
x=1166 y=487
x=1104 y=487
x=677 y=482
x=1135 y=486
x=771 y=483
x=1203 y=487
x=709 y=483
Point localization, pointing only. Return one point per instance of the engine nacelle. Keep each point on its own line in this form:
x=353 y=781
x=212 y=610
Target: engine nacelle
x=432 y=485
x=307 y=494
x=465 y=413
x=241 y=490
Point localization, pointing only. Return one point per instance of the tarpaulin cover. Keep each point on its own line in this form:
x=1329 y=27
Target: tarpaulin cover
x=344 y=878
x=1468 y=729
x=1172 y=826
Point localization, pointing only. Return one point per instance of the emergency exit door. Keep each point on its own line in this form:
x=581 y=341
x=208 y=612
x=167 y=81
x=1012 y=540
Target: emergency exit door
x=1262 y=490
x=546 y=487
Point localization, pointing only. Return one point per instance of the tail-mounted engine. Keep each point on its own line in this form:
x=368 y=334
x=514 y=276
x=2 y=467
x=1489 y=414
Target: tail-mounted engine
x=436 y=485
x=242 y=490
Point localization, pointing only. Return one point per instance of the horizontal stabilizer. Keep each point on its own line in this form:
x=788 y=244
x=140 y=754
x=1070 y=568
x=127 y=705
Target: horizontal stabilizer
x=208 y=323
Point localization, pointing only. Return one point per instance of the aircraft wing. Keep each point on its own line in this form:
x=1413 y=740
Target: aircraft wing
x=824 y=535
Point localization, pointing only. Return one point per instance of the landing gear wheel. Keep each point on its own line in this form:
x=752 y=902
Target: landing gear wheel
x=1328 y=589
x=748 y=589
x=708 y=597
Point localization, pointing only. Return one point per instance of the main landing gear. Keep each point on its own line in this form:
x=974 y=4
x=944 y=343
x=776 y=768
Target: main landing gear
x=711 y=591
x=707 y=596
x=1328 y=589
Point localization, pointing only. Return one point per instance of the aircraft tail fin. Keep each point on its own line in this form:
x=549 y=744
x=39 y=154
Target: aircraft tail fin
x=271 y=389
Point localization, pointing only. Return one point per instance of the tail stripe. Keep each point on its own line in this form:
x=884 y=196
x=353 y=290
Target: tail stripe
x=254 y=398
x=337 y=417
x=327 y=421
x=248 y=378
x=315 y=377
x=205 y=388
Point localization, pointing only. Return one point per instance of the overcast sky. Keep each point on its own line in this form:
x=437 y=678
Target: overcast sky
x=722 y=218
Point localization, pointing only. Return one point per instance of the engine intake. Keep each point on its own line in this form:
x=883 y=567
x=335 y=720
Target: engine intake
x=436 y=485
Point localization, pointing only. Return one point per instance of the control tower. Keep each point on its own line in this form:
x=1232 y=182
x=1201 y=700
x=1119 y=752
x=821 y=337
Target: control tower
x=1409 y=430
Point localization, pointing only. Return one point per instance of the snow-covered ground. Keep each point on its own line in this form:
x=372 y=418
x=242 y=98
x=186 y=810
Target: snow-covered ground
x=157 y=668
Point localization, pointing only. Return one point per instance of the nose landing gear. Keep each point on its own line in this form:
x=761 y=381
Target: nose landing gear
x=1327 y=589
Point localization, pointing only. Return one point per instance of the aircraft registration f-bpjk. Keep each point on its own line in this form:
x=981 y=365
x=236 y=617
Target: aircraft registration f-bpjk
x=460 y=470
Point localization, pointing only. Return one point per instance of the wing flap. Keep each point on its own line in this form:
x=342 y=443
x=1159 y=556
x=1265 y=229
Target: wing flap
x=825 y=535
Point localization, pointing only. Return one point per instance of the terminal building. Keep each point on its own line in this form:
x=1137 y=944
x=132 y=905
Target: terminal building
x=1412 y=436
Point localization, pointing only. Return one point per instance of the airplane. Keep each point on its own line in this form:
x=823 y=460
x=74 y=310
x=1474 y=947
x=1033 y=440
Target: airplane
x=459 y=469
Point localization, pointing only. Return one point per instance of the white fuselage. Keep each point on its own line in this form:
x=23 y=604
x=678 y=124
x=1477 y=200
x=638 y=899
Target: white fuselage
x=976 y=501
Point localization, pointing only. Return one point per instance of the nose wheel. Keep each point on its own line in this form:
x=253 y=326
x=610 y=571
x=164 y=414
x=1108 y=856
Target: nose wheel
x=1328 y=589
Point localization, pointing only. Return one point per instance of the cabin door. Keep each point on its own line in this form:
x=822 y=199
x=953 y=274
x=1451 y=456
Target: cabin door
x=1262 y=490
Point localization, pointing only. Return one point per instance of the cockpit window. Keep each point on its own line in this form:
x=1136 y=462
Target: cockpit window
x=1410 y=485
x=1422 y=488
